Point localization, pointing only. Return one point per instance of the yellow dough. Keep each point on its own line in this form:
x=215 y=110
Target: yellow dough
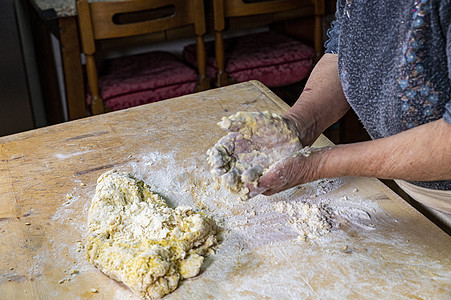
x=134 y=237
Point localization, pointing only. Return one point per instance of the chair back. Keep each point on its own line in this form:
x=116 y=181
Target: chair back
x=127 y=18
x=224 y=9
x=237 y=8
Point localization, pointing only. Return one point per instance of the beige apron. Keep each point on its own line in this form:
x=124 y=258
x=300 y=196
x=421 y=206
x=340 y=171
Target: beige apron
x=437 y=202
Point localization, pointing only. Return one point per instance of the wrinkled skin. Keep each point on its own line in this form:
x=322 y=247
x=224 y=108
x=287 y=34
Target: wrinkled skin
x=321 y=104
x=255 y=141
x=288 y=173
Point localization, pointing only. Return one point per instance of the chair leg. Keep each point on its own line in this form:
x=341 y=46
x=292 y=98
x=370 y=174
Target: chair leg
x=203 y=84
x=318 y=31
x=97 y=101
x=97 y=106
x=221 y=75
x=203 y=81
x=318 y=38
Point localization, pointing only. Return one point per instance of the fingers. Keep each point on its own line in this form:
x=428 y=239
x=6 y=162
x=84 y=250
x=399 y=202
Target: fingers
x=218 y=157
x=231 y=179
x=255 y=191
x=220 y=154
x=252 y=174
x=235 y=178
x=266 y=183
x=227 y=143
x=230 y=164
x=277 y=178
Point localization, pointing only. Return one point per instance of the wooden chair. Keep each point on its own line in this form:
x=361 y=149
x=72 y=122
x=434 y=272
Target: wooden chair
x=107 y=20
x=272 y=10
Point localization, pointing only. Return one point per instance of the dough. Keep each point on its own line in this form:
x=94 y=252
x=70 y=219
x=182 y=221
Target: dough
x=134 y=237
x=255 y=141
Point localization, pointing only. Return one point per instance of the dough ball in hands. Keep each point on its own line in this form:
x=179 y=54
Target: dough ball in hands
x=255 y=141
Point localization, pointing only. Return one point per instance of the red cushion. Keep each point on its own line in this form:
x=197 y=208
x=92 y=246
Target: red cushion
x=151 y=95
x=144 y=78
x=270 y=57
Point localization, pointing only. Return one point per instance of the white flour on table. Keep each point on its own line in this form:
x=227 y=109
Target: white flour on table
x=306 y=212
x=280 y=233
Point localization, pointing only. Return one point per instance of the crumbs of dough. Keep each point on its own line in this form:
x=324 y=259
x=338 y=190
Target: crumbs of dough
x=134 y=237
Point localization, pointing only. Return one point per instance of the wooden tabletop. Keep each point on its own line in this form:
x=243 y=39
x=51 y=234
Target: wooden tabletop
x=380 y=248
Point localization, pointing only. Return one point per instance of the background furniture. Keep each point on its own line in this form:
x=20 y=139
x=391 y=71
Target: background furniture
x=271 y=11
x=144 y=78
x=16 y=112
x=60 y=19
x=270 y=57
x=388 y=251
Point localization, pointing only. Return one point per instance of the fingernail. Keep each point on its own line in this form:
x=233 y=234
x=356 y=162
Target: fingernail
x=256 y=191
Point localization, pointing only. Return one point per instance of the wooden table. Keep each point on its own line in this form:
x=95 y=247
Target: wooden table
x=382 y=249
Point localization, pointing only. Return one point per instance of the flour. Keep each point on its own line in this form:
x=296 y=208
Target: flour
x=310 y=220
x=68 y=155
x=255 y=222
x=310 y=214
x=306 y=216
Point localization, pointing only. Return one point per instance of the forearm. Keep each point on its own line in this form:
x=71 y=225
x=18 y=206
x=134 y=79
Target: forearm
x=419 y=154
x=312 y=112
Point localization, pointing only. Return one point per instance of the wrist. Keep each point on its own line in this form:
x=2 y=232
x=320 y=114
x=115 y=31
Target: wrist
x=306 y=131
x=328 y=162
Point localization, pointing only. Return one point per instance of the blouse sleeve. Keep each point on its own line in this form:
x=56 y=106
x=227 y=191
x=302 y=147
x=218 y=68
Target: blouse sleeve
x=445 y=17
x=333 y=33
x=331 y=44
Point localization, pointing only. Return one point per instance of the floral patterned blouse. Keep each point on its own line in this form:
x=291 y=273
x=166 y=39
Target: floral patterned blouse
x=394 y=59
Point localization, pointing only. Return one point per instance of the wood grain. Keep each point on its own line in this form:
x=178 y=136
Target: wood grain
x=48 y=177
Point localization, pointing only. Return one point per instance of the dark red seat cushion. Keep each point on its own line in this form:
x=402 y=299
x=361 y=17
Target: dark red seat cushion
x=144 y=78
x=270 y=57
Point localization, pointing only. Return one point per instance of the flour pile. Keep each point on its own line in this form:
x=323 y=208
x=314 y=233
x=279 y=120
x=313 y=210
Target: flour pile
x=311 y=221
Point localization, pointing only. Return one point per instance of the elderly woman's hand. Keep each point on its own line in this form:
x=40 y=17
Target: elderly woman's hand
x=288 y=172
x=255 y=141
